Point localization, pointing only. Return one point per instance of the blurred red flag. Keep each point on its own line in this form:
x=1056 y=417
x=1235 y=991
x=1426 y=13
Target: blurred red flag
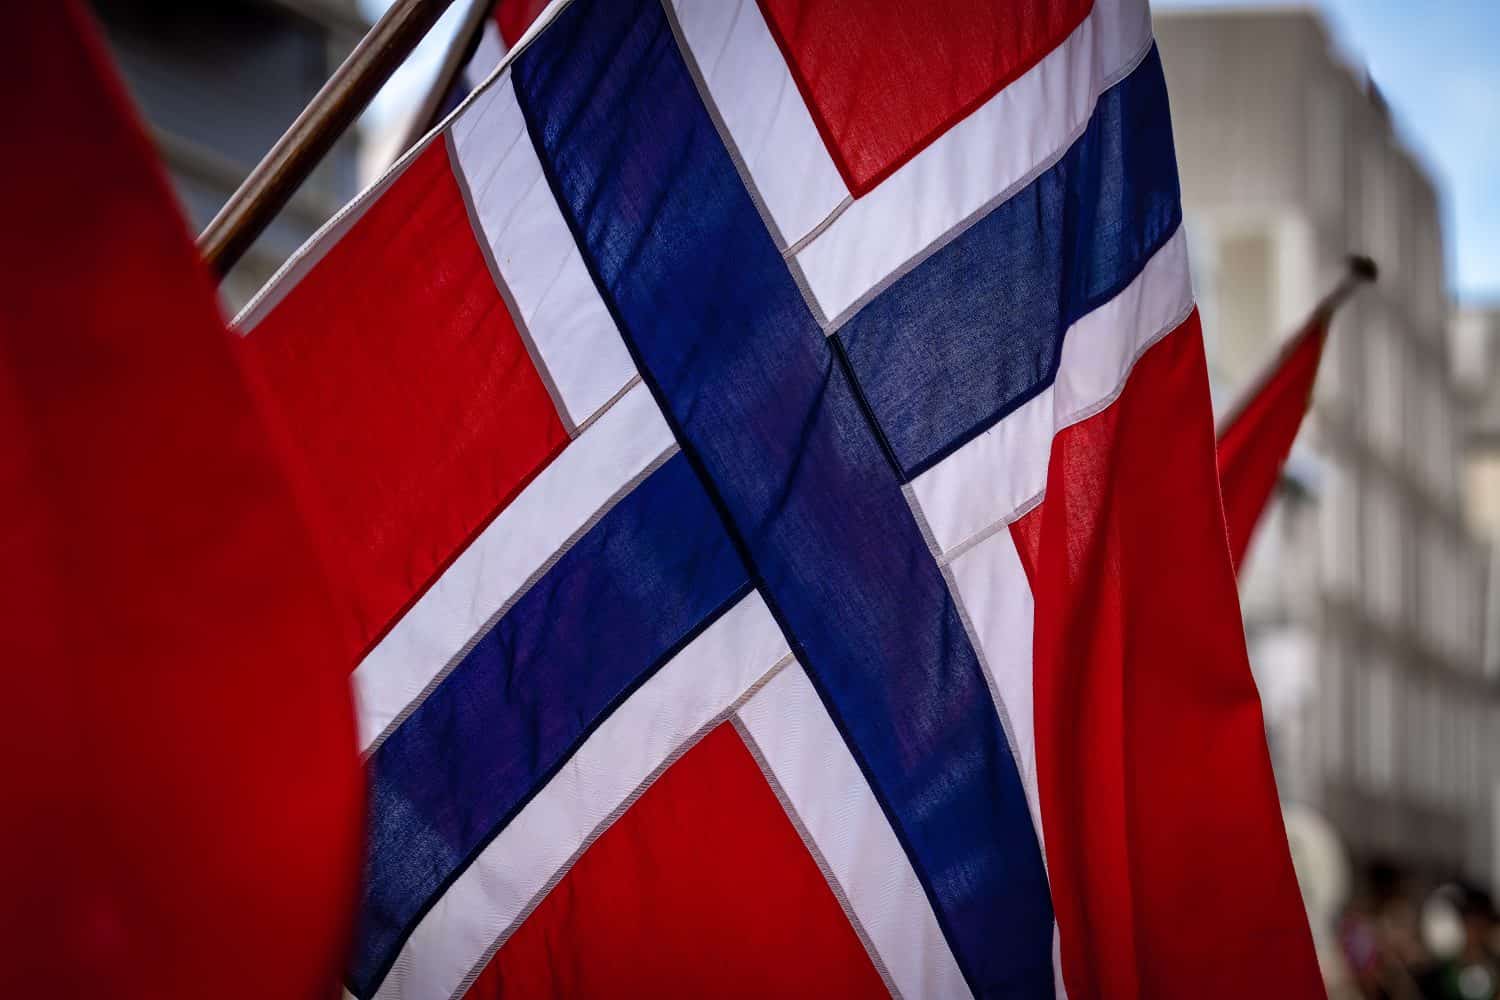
x=183 y=794
x=1255 y=442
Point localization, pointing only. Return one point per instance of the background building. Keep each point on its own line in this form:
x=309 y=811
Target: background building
x=219 y=83
x=1475 y=340
x=1476 y=371
x=1364 y=592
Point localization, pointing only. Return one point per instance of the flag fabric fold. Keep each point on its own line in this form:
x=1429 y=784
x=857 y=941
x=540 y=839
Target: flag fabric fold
x=184 y=794
x=1158 y=802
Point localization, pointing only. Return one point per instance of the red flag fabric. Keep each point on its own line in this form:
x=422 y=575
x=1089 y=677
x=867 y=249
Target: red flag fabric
x=1169 y=864
x=1254 y=445
x=184 y=802
x=513 y=18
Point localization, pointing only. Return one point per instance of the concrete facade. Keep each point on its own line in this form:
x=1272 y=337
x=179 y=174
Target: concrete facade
x=218 y=83
x=1364 y=591
x=1475 y=340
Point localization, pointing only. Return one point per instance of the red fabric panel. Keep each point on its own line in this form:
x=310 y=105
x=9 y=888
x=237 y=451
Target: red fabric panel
x=1168 y=860
x=702 y=888
x=1255 y=446
x=514 y=16
x=1026 y=530
x=412 y=400
x=883 y=79
x=183 y=803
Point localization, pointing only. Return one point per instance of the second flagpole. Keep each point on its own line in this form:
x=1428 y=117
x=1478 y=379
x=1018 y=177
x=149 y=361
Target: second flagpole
x=328 y=116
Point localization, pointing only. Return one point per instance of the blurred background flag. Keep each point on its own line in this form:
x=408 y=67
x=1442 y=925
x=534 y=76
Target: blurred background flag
x=1256 y=433
x=183 y=803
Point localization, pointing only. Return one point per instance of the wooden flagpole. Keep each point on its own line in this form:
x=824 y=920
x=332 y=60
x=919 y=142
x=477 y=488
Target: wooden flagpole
x=328 y=116
x=1361 y=270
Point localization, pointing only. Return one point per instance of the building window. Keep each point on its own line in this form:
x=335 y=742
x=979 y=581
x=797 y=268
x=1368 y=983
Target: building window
x=1338 y=512
x=1427 y=274
x=1243 y=293
x=1418 y=755
x=1333 y=682
x=1436 y=447
x=1325 y=150
x=1378 y=747
x=1434 y=584
x=1383 y=388
x=1380 y=208
x=1384 y=571
x=1468 y=569
x=1417 y=458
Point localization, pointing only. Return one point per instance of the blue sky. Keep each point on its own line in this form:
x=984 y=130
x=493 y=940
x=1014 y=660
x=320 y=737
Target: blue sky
x=1438 y=66
x=1437 y=63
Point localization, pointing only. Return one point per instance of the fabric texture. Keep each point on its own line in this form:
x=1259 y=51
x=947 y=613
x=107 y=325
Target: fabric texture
x=810 y=494
x=977 y=328
x=1158 y=804
x=637 y=587
x=408 y=469
x=183 y=796
x=830 y=401
x=738 y=656
x=884 y=80
x=629 y=918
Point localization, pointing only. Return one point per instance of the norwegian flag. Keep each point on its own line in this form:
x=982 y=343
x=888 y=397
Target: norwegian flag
x=765 y=449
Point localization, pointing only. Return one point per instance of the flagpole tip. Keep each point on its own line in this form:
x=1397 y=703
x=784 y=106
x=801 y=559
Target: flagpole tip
x=1363 y=267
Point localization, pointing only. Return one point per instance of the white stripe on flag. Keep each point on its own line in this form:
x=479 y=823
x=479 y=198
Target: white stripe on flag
x=991 y=588
x=697 y=688
x=969 y=499
x=757 y=102
x=1006 y=141
x=541 y=268
x=596 y=466
x=810 y=761
x=995 y=477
